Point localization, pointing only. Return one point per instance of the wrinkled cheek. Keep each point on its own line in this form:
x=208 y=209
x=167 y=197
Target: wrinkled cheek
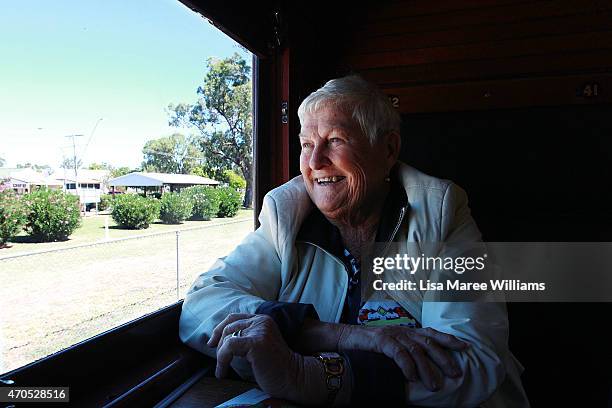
x=357 y=188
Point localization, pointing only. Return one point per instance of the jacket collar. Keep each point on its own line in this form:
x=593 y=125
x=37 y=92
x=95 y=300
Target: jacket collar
x=317 y=230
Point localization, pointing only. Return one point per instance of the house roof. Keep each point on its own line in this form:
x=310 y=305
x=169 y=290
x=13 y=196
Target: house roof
x=160 y=179
x=84 y=175
x=31 y=176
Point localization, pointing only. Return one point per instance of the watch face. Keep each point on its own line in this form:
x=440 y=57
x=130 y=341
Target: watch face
x=334 y=383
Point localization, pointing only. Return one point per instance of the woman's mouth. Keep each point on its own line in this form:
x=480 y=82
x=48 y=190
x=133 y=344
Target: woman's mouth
x=322 y=181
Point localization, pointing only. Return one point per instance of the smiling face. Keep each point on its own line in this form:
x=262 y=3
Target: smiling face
x=344 y=175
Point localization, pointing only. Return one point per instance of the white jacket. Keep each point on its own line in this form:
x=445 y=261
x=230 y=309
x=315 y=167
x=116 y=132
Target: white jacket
x=270 y=265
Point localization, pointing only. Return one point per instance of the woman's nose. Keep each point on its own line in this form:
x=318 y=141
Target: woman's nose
x=319 y=158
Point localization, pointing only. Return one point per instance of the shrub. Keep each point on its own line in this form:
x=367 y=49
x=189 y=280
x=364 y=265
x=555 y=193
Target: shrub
x=13 y=215
x=106 y=201
x=135 y=212
x=205 y=202
x=53 y=215
x=175 y=208
x=229 y=202
x=235 y=180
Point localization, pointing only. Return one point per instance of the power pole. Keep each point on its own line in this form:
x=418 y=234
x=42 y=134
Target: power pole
x=74 y=162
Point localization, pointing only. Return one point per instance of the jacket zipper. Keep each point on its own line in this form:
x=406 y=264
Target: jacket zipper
x=397 y=226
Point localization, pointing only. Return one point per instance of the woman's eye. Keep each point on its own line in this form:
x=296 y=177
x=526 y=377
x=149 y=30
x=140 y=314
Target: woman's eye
x=306 y=145
x=335 y=140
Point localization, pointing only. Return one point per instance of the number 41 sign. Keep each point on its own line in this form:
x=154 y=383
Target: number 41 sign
x=589 y=90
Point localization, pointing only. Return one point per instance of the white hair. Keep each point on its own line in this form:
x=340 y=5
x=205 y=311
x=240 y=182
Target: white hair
x=366 y=104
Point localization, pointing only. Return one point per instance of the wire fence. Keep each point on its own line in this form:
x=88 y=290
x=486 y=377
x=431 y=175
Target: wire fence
x=52 y=299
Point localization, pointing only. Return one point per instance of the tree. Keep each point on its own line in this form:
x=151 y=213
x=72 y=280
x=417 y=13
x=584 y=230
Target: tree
x=43 y=168
x=222 y=116
x=120 y=171
x=2 y=161
x=174 y=154
x=100 y=166
x=68 y=163
x=201 y=171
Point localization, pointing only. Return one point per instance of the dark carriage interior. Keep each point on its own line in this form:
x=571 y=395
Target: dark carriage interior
x=496 y=95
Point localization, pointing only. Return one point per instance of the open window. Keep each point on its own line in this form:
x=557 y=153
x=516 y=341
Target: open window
x=102 y=296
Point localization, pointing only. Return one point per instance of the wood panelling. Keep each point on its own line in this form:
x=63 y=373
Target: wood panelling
x=576 y=23
x=558 y=45
x=444 y=20
x=446 y=55
x=545 y=91
x=513 y=67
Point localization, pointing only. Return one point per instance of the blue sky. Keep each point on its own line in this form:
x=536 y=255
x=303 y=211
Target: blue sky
x=66 y=63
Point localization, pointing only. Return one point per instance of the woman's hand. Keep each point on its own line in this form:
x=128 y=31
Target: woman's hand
x=419 y=353
x=278 y=370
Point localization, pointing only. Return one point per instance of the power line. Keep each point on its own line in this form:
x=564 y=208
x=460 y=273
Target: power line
x=91 y=136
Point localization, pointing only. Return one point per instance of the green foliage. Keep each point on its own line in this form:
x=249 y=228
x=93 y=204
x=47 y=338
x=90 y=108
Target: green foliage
x=235 y=180
x=173 y=154
x=199 y=170
x=53 y=215
x=175 y=208
x=229 y=202
x=100 y=166
x=205 y=202
x=120 y=171
x=13 y=215
x=106 y=201
x=222 y=116
x=135 y=212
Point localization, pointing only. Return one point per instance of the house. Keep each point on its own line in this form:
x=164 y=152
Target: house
x=162 y=181
x=89 y=185
x=26 y=180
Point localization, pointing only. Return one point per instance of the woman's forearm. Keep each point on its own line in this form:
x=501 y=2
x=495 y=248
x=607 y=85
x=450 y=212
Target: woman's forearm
x=318 y=336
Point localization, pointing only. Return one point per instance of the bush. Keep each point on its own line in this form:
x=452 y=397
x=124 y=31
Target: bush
x=229 y=202
x=106 y=201
x=13 y=215
x=135 y=212
x=235 y=180
x=175 y=208
x=53 y=215
x=205 y=202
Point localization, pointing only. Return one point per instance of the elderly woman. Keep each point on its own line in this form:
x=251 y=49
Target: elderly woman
x=285 y=307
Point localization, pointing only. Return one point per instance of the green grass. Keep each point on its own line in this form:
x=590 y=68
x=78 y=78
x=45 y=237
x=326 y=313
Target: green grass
x=92 y=230
x=51 y=300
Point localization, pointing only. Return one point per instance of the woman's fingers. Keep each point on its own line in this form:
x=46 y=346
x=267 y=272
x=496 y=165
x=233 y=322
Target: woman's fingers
x=438 y=355
x=428 y=373
x=446 y=340
x=233 y=327
x=398 y=353
x=232 y=346
x=218 y=331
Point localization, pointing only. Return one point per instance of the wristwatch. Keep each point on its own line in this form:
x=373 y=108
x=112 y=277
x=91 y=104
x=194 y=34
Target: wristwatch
x=333 y=364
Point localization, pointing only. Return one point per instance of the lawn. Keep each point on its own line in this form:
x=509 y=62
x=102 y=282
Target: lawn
x=53 y=299
x=92 y=230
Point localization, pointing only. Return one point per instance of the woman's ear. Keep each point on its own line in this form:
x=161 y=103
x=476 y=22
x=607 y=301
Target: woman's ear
x=393 y=144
